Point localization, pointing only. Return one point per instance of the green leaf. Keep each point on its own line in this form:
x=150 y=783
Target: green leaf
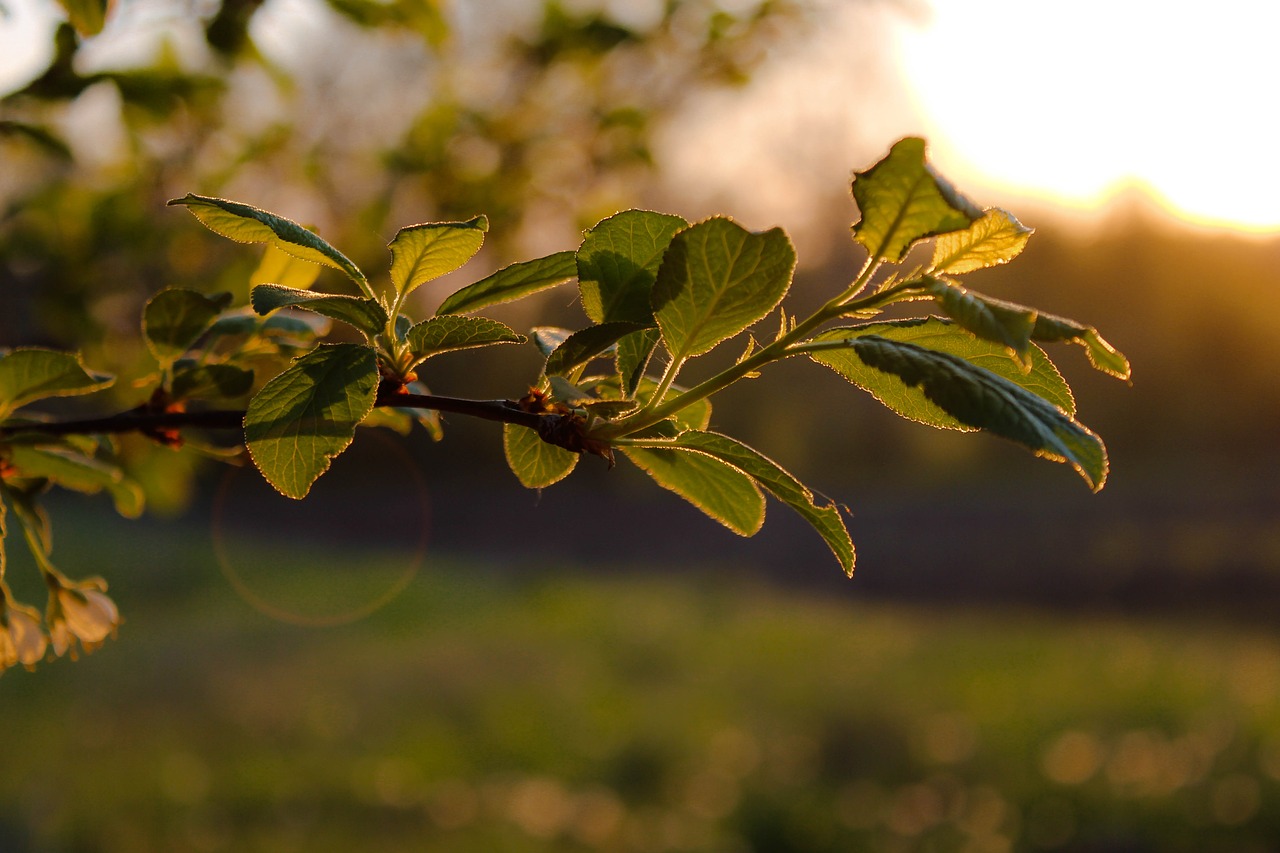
x=535 y=463
x=566 y=392
x=211 y=381
x=781 y=484
x=1101 y=354
x=303 y=328
x=996 y=238
x=903 y=200
x=230 y=325
x=447 y=332
x=1004 y=323
x=721 y=491
x=1043 y=379
x=618 y=262
x=547 y=338
x=307 y=415
x=31 y=374
x=174 y=319
x=279 y=267
x=717 y=279
x=87 y=16
x=367 y=315
x=67 y=467
x=980 y=399
x=402 y=327
x=584 y=345
x=246 y=224
x=512 y=282
x=634 y=352
x=420 y=253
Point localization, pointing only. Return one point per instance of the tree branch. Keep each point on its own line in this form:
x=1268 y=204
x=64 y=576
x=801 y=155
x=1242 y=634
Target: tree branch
x=136 y=420
x=145 y=420
x=505 y=411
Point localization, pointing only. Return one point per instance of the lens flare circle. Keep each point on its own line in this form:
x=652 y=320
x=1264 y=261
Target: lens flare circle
x=371 y=510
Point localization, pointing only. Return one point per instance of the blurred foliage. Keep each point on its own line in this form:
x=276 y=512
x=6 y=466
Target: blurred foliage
x=539 y=115
x=630 y=713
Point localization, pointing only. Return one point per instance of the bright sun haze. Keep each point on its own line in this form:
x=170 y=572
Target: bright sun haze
x=1073 y=101
x=1065 y=102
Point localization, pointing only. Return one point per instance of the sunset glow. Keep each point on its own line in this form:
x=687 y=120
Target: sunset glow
x=1072 y=102
x=1065 y=103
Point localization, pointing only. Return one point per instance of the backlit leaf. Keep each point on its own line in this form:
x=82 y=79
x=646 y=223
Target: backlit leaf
x=1043 y=379
x=584 y=345
x=421 y=253
x=302 y=327
x=547 y=338
x=279 y=267
x=567 y=392
x=174 y=319
x=246 y=224
x=980 y=399
x=996 y=238
x=634 y=352
x=446 y=332
x=1101 y=354
x=781 y=484
x=717 y=279
x=512 y=282
x=1004 y=323
x=307 y=415
x=535 y=463
x=618 y=262
x=31 y=374
x=402 y=326
x=230 y=325
x=902 y=200
x=367 y=315
x=719 y=490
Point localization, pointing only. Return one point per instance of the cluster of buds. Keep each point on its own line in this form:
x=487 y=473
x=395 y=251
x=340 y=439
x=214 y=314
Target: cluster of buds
x=80 y=616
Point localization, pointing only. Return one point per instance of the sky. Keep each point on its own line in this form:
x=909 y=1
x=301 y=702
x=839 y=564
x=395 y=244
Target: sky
x=1066 y=105
x=1073 y=101
x=1062 y=103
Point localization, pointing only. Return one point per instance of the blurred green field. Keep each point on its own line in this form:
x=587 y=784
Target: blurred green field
x=559 y=709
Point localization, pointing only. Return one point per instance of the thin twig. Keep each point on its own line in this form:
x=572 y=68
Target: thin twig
x=505 y=411
x=132 y=421
x=143 y=420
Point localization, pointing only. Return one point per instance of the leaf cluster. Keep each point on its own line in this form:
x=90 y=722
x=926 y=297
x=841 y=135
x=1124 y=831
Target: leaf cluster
x=657 y=292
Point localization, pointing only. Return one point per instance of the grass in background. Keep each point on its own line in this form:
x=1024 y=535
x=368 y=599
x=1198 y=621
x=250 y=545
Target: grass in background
x=564 y=711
